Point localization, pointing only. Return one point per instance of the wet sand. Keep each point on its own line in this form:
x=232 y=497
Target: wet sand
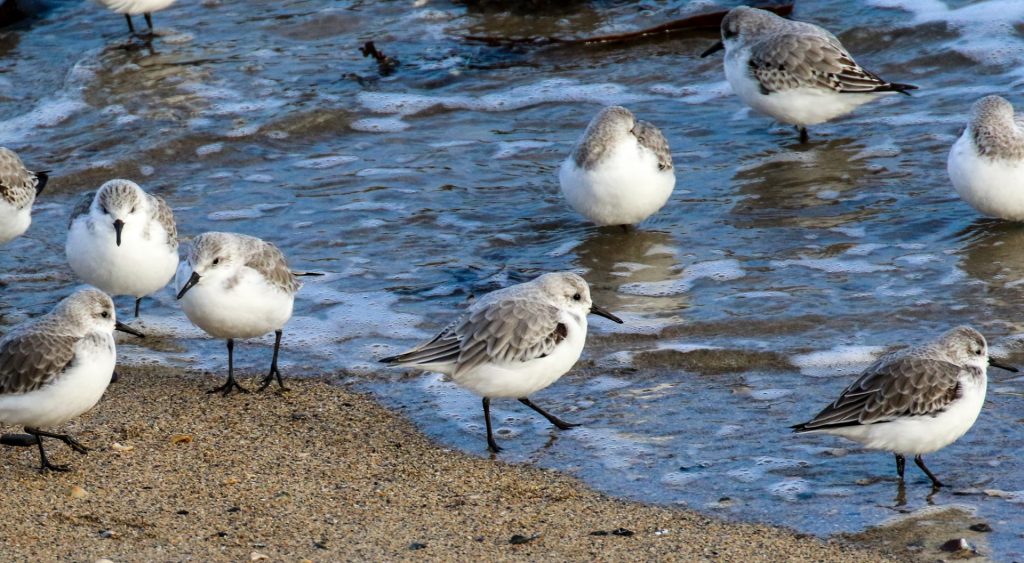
x=322 y=473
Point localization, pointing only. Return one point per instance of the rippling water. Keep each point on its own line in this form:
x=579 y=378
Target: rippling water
x=773 y=275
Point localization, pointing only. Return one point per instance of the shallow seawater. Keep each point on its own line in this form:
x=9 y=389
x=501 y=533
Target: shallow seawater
x=776 y=272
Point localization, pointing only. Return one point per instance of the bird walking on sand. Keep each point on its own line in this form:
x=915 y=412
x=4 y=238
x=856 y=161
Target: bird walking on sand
x=620 y=171
x=796 y=72
x=123 y=240
x=56 y=367
x=135 y=7
x=18 y=190
x=986 y=164
x=238 y=286
x=513 y=342
x=914 y=401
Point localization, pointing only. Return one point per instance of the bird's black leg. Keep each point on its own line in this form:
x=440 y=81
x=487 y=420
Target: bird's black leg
x=804 y=137
x=920 y=463
x=231 y=383
x=561 y=424
x=149 y=22
x=71 y=442
x=44 y=464
x=901 y=465
x=274 y=372
x=131 y=28
x=138 y=301
x=491 y=444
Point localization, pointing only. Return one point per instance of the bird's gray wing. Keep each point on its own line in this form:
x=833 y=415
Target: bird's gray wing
x=903 y=385
x=650 y=136
x=269 y=261
x=165 y=216
x=17 y=185
x=508 y=331
x=502 y=331
x=29 y=360
x=799 y=60
x=81 y=206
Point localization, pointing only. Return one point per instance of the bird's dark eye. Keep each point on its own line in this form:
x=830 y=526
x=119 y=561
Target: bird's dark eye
x=978 y=352
x=728 y=33
x=133 y=210
x=105 y=315
x=216 y=261
x=576 y=297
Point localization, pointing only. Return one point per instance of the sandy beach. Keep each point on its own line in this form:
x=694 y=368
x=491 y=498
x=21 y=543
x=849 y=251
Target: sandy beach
x=324 y=474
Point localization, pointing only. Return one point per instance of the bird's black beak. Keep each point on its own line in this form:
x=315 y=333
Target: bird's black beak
x=192 y=280
x=118 y=225
x=718 y=46
x=118 y=325
x=997 y=364
x=601 y=312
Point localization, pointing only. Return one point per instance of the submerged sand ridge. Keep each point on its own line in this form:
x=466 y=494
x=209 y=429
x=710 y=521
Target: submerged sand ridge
x=321 y=473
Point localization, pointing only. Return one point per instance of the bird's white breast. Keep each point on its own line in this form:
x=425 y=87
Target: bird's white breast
x=139 y=267
x=13 y=221
x=993 y=187
x=623 y=189
x=70 y=394
x=135 y=7
x=243 y=308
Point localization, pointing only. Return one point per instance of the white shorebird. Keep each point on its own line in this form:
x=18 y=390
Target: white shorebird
x=123 y=240
x=513 y=342
x=135 y=7
x=57 y=367
x=986 y=164
x=238 y=286
x=796 y=72
x=620 y=171
x=18 y=190
x=913 y=401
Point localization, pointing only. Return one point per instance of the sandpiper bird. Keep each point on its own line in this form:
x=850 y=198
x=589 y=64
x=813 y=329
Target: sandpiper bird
x=18 y=190
x=238 y=286
x=123 y=240
x=913 y=401
x=135 y=7
x=796 y=72
x=620 y=171
x=986 y=164
x=513 y=342
x=57 y=367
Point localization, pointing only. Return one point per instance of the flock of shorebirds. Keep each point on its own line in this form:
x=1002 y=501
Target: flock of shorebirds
x=515 y=341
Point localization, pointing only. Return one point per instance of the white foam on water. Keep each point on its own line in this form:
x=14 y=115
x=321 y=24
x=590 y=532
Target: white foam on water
x=693 y=94
x=842 y=360
x=555 y=90
x=789 y=489
x=680 y=479
x=322 y=162
x=379 y=125
x=509 y=149
x=685 y=347
x=209 y=149
x=718 y=270
x=834 y=265
x=385 y=172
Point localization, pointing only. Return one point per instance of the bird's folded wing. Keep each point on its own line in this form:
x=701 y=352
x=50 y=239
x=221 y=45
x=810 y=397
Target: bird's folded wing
x=650 y=136
x=165 y=216
x=81 y=206
x=508 y=331
x=809 y=60
x=269 y=261
x=892 y=387
x=30 y=360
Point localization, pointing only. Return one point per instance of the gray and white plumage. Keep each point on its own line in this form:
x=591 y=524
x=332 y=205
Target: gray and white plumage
x=620 y=171
x=56 y=367
x=796 y=72
x=237 y=286
x=19 y=187
x=913 y=401
x=123 y=240
x=986 y=163
x=512 y=342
